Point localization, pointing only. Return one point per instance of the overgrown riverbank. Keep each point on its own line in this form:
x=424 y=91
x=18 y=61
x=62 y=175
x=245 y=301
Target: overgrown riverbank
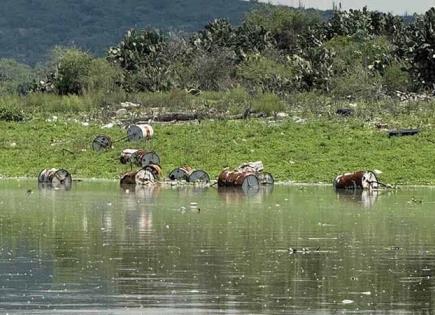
x=309 y=149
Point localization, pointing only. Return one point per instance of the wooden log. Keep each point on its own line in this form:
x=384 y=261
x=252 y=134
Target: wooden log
x=402 y=132
x=180 y=116
x=189 y=116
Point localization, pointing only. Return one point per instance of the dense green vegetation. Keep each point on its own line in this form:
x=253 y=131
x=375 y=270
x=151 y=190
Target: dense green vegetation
x=278 y=50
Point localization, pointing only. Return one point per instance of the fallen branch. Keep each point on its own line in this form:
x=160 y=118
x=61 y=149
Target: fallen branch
x=189 y=116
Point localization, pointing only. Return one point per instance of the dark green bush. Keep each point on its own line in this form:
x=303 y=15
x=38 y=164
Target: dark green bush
x=11 y=113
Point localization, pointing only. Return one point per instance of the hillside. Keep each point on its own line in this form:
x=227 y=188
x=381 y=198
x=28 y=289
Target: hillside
x=29 y=28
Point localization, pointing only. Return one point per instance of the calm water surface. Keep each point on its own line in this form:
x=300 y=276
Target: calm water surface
x=98 y=249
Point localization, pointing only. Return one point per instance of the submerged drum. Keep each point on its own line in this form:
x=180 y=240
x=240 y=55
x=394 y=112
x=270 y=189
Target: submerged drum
x=198 y=176
x=188 y=174
x=180 y=173
x=55 y=178
x=246 y=180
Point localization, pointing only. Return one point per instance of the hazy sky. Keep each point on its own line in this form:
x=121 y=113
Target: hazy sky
x=395 y=6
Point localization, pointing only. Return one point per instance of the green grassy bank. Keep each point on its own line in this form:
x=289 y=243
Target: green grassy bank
x=312 y=151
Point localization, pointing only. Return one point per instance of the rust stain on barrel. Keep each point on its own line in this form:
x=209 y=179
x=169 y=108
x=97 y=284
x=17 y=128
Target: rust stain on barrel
x=129 y=178
x=233 y=178
x=155 y=169
x=356 y=180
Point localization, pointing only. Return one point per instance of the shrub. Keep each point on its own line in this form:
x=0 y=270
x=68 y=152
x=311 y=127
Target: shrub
x=396 y=78
x=357 y=83
x=373 y=54
x=102 y=76
x=284 y=23
x=11 y=113
x=214 y=70
x=268 y=103
x=264 y=74
x=72 y=70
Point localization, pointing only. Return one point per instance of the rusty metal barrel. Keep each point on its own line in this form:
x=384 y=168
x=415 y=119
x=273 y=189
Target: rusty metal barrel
x=188 y=174
x=265 y=178
x=155 y=169
x=139 y=132
x=147 y=175
x=139 y=157
x=357 y=180
x=180 y=173
x=149 y=158
x=55 y=177
x=129 y=156
x=198 y=176
x=101 y=143
x=246 y=180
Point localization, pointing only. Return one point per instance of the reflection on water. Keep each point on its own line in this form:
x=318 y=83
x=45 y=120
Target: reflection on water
x=50 y=186
x=367 y=198
x=141 y=191
x=181 y=250
x=237 y=194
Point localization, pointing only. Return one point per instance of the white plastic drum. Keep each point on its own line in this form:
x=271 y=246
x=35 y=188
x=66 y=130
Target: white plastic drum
x=139 y=132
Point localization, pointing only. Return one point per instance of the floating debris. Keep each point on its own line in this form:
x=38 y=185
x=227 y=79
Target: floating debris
x=303 y=250
x=415 y=201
